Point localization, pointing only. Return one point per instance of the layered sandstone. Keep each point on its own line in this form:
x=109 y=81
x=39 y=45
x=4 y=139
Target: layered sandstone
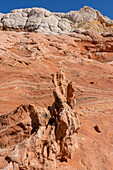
x=28 y=59
x=42 y=20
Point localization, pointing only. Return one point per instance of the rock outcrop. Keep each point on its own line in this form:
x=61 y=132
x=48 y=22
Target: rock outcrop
x=42 y=20
x=27 y=61
x=36 y=138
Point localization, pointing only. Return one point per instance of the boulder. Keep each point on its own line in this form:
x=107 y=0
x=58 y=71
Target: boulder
x=14 y=21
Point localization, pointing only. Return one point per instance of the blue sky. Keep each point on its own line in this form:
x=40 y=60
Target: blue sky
x=104 y=6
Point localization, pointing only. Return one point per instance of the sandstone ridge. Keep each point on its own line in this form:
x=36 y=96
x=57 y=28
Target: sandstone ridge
x=42 y=20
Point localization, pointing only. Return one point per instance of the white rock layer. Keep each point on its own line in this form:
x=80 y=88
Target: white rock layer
x=42 y=20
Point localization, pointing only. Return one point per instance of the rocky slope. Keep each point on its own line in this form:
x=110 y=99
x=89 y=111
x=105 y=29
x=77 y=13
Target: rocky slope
x=28 y=62
x=42 y=20
x=56 y=91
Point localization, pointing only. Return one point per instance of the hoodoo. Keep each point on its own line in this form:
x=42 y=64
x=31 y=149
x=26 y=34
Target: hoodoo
x=36 y=138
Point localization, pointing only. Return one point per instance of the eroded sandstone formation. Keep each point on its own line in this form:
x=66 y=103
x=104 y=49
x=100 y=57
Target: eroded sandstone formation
x=42 y=20
x=36 y=138
x=27 y=61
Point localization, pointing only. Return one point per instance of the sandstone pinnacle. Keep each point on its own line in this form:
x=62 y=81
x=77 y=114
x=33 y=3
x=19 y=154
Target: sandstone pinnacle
x=35 y=137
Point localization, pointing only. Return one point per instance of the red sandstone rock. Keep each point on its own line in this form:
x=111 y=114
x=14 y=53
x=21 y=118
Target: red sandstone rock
x=70 y=95
x=27 y=61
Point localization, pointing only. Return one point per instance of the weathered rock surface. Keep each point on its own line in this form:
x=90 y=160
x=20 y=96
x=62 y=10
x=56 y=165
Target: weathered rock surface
x=27 y=61
x=42 y=20
x=35 y=138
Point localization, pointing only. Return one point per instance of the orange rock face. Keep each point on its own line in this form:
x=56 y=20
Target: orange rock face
x=27 y=63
